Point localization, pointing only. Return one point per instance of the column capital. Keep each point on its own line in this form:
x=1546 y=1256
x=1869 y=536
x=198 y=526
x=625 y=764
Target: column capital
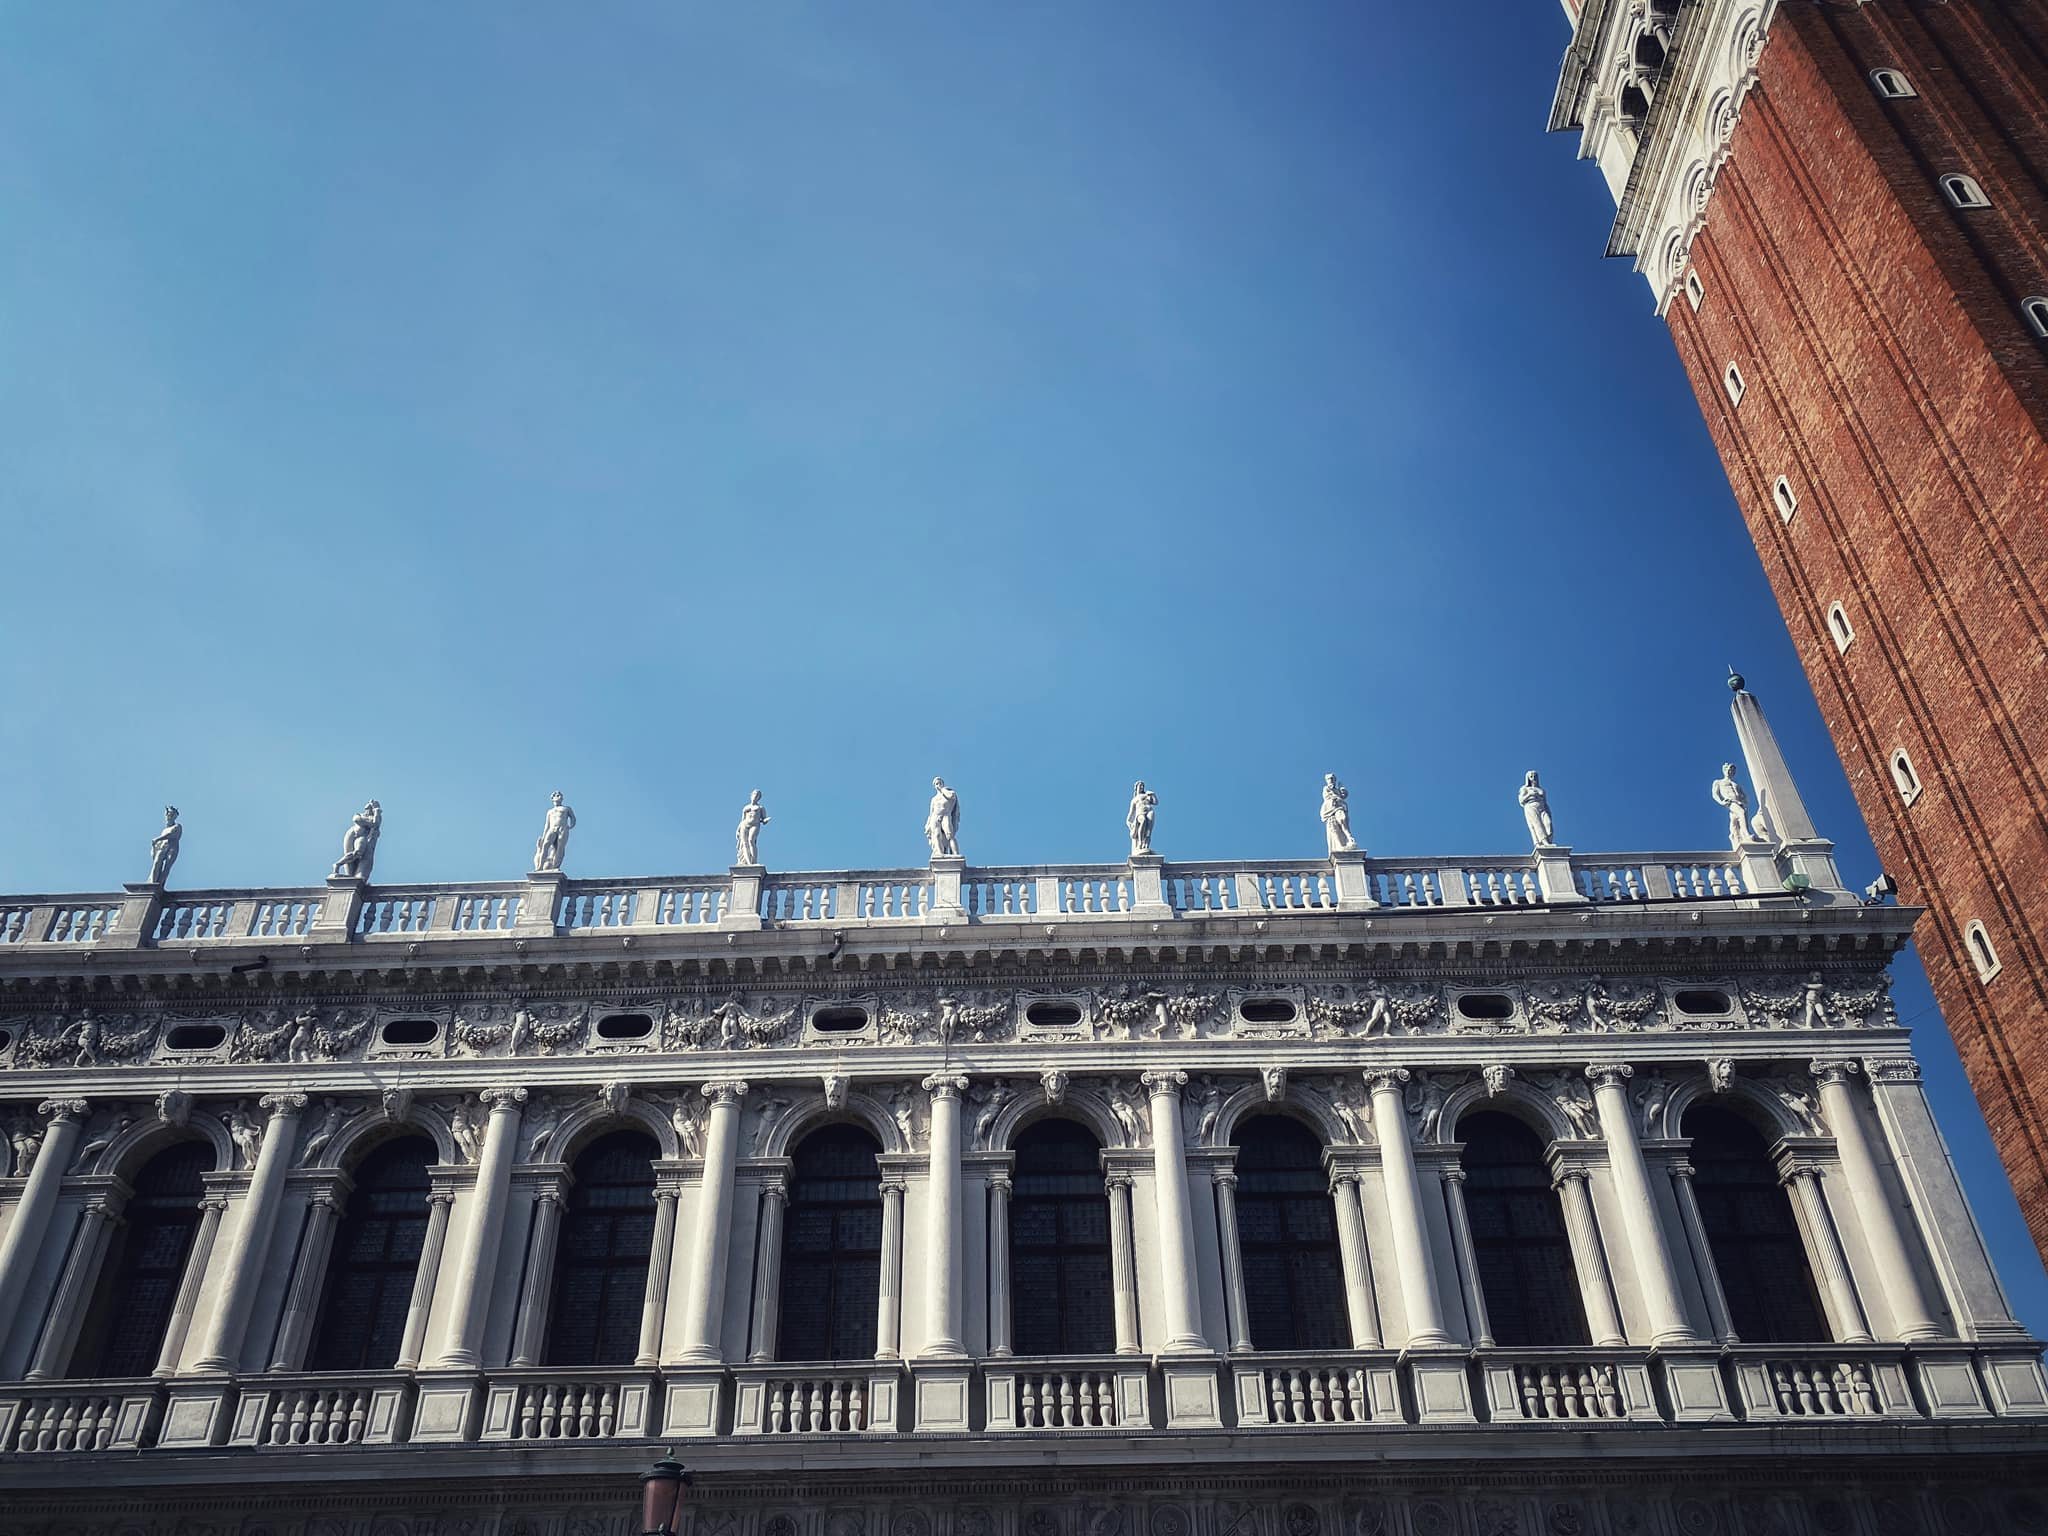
x=1340 y=1176
x=1832 y=1069
x=1451 y=1173
x=502 y=1098
x=1569 y=1173
x=724 y=1090
x=1798 y=1167
x=1386 y=1079
x=1223 y=1175
x=441 y=1195
x=893 y=1183
x=59 y=1110
x=1169 y=1081
x=776 y=1189
x=1608 y=1074
x=1000 y=1182
x=282 y=1103
x=945 y=1085
x=1116 y=1180
x=1891 y=1069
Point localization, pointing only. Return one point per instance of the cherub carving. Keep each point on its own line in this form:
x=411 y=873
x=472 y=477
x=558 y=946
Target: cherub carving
x=261 y=1035
x=1359 y=1016
x=904 y=1105
x=26 y=1138
x=988 y=1101
x=1209 y=1109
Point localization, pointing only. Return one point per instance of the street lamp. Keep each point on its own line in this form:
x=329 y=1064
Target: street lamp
x=661 y=1495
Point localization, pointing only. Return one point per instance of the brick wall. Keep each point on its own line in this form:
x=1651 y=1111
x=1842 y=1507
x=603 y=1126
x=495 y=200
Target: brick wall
x=1893 y=381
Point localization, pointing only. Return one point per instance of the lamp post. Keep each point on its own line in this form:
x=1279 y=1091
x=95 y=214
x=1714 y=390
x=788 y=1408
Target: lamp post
x=661 y=1496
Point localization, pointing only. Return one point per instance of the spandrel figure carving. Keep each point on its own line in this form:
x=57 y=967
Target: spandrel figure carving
x=1337 y=816
x=553 y=843
x=942 y=822
x=359 y=843
x=90 y=1152
x=26 y=1139
x=163 y=848
x=747 y=838
x=331 y=1119
x=1729 y=796
x=1535 y=802
x=463 y=1132
x=1138 y=818
x=246 y=1135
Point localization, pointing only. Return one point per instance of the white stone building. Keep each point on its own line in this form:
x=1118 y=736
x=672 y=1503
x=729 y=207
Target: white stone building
x=1544 y=1193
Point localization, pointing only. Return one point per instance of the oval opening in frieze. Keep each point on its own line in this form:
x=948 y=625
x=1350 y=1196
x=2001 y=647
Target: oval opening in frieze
x=409 y=1032
x=625 y=1026
x=1267 y=1010
x=1053 y=1015
x=1486 y=1005
x=839 y=1021
x=1703 y=1000
x=6 y=1039
x=195 y=1037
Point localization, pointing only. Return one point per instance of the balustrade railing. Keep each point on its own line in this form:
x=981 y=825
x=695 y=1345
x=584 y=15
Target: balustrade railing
x=1611 y=882
x=1405 y=885
x=1095 y=893
x=1288 y=1390
x=793 y=899
x=485 y=911
x=396 y=914
x=14 y=924
x=182 y=920
x=317 y=1416
x=992 y=897
x=283 y=917
x=1695 y=880
x=71 y=1416
x=815 y=1400
x=1576 y=1385
x=1823 y=1382
x=568 y=1405
x=1058 y=1394
x=1511 y=885
x=82 y=924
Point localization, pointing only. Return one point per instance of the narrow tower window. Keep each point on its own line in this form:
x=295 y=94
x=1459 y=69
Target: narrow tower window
x=1963 y=191
x=1840 y=627
x=2036 y=311
x=1695 y=291
x=1891 y=83
x=1982 y=955
x=1732 y=382
x=1904 y=776
x=1786 y=498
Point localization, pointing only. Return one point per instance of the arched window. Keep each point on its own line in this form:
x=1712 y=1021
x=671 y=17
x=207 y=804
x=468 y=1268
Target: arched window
x=1983 y=953
x=144 y=1266
x=1963 y=191
x=1287 y=1232
x=1892 y=84
x=601 y=1253
x=371 y=1268
x=1785 y=497
x=1519 y=1247
x=2036 y=311
x=1904 y=775
x=1060 y=1298
x=1751 y=1231
x=832 y=1248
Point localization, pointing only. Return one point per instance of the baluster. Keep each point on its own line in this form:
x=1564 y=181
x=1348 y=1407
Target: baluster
x=358 y=1416
x=1866 y=1395
x=778 y=1408
x=1297 y=1396
x=814 y=1406
x=1802 y=1383
x=836 y=1416
x=608 y=1414
x=857 y=1408
x=1027 y=1400
x=1527 y=1378
x=1361 y=1406
x=1319 y=1398
x=551 y=1413
x=1610 y=1390
x=30 y=1438
x=1068 y=1402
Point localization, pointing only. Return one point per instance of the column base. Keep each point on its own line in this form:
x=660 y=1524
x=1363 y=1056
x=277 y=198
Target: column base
x=941 y=1396
x=1194 y=1393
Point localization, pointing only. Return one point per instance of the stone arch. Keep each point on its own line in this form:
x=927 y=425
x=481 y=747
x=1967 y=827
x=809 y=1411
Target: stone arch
x=1078 y=1105
x=587 y=1119
x=810 y=1112
x=148 y=1136
x=368 y=1128
x=1772 y=1117
x=1518 y=1100
x=1299 y=1103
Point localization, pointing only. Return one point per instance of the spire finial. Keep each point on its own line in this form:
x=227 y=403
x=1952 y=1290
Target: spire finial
x=1735 y=684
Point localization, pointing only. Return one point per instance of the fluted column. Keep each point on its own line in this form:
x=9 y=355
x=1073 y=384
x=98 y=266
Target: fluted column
x=768 y=1272
x=1804 y=1183
x=1176 y=1221
x=81 y=1269
x=23 y=1241
x=1881 y=1230
x=221 y=1346
x=1239 y=1323
x=1360 y=1304
x=942 y=1230
x=1702 y=1253
x=476 y=1257
x=999 y=1265
x=704 y=1294
x=1467 y=1256
x=1123 y=1263
x=309 y=1274
x=196 y=1268
x=1589 y=1260
x=529 y=1337
x=654 y=1301
x=1404 y=1208
x=1646 y=1241
x=889 y=1314
x=424 y=1278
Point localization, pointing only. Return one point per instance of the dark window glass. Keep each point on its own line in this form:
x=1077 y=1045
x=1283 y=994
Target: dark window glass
x=1518 y=1238
x=601 y=1253
x=375 y=1256
x=1751 y=1231
x=145 y=1264
x=1287 y=1233
x=832 y=1248
x=1060 y=1301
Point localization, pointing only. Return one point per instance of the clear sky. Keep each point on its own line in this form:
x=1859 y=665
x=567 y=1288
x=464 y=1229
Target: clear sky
x=453 y=403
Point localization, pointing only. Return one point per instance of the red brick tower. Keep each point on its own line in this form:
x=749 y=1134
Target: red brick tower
x=1842 y=210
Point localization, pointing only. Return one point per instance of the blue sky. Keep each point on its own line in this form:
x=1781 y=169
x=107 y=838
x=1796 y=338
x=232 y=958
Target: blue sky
x=454 y=403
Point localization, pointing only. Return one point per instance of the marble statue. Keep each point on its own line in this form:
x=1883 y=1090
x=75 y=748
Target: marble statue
x=747 y=839
x=1729 y=796
x=1337 y=816
x=163 y=848
x=359 y=843
x=1536 y=812
x=942 y=822
x=1138 y=819
x=553 y=842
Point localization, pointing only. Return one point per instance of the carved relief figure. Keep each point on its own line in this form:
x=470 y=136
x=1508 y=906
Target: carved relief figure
x=462 y=1129
x=1650 y=1099
x=246 y=1135
x=90 y=1152
x=1349 y=1100
x=1729 y=796
x=26 y=1140
x=88 y=1040
x=1808 y=1113
x=1337 y=816
x=687 y=1118
x=541 y=1126
x=359 y=843
x=747 y=839
x=1138 y=818
x=331 y=1119
x=163 y=848
x=1123 y=1104
x=298 y=1045
x=1425 y=1107
x=553 y=842
x=1578 y=1110
x=1818 y=1014
x=1535 y=804
x=942 y=822
x=765 y=1111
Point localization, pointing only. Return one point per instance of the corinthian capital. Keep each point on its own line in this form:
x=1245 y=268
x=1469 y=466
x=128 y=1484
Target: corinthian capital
x=1164 y=1082
x=945 y=1085
x=724 y=1090
x=496 y=1099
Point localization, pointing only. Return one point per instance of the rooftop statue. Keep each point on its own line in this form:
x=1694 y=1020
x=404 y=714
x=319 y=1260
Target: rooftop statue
x=942 y=822
x=1337 y=816
x=747 y=839
x=1729 y=796
x=163 y=848
x=553 y=842
x=359 y=843
x=1536 y=812
x=1138 y=819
